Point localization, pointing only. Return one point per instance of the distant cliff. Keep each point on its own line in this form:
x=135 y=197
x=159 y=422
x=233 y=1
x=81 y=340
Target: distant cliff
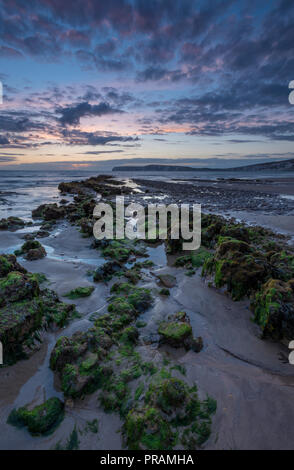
x=285 y=165
x=281 y=165
x=154 y=168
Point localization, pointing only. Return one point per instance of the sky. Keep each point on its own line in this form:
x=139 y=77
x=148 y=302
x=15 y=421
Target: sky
x=95 y=83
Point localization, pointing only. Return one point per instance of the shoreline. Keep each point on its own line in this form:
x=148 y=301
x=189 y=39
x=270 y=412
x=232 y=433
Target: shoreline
x=242 y=372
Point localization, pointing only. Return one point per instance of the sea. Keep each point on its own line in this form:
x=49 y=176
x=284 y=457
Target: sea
x=22 y=191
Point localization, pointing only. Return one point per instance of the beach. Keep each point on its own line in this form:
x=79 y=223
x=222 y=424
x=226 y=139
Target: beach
x=249 y=377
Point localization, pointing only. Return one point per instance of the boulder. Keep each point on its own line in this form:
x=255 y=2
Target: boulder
x=107 y=270
x=17 y=286
x=167 y=280
x=273 y=307
x=177 y=332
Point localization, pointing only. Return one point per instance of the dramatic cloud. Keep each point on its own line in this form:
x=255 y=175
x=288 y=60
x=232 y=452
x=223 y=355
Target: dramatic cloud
x=201 y=68
x=72 y=114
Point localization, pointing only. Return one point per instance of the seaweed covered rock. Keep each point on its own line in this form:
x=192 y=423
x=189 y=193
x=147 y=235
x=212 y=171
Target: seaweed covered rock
x=102 y=184
x=43 y=419
x=193 y=260
x=21 y=321
x=273 y=307
x=121 y=250
x=237 y=265
x=169 y=394
x=11 y=223
x=145 y=428
x=177 y=332
x=49 y=212
x=79 y=359
x=170 y=411
x=17 y=286
x=130 y=335
x=25 y=309
x=9 y=263
x=54 y=311
x=86 y=225
x=139 y=298
x=213 y=226
x=32 y=250
x=79 y=292
x=67 y=350
x=281 y=264
x=107 y=270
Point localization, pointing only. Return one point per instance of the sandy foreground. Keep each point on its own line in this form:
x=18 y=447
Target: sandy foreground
x=250 y=378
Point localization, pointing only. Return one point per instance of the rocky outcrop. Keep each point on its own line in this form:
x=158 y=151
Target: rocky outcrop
x=236 y=265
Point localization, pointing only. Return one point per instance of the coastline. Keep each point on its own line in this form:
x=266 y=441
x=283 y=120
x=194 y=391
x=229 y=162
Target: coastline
x=242 y=372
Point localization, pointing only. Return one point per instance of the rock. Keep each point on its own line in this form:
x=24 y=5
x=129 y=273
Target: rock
x=167 y=280
x=29 y=236
x=41 y=419
x=17 y=286
x=36 y=253
x=177 y=332
x=130 y=335
x=48 y=212
x=11 y=223
x=237 y=265
x=32 y=250
x=86 y=225
x=8 y=263
x=67 y=350
x=25 y=310
x=273 y=307
x=80 y=292
x=42 y=234
x=196 y=344
x=164 y=292
x=106 y=271
x=147 y=427
x=138 y=297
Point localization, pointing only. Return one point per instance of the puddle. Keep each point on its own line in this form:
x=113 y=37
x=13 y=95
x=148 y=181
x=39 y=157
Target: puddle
x=157 y=254
x=42 y=382
x=51 y=254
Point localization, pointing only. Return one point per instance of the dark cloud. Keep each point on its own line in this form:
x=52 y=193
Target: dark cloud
x=71 y=115
x=78 y=137
x=233 y=60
